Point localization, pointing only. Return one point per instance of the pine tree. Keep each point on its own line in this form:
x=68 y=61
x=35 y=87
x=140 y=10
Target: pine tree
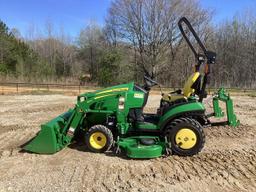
x=16 y=57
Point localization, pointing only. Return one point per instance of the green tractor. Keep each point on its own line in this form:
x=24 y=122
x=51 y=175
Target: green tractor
x=114 y=118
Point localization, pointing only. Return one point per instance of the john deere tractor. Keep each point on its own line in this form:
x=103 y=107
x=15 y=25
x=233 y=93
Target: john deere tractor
x=113 y=118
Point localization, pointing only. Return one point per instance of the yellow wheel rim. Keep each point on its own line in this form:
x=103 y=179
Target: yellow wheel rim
x=186 y=138
x=98 y=140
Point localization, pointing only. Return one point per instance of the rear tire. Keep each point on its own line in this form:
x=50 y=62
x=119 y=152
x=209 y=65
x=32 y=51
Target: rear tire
x=185 y=136
x=99 y=139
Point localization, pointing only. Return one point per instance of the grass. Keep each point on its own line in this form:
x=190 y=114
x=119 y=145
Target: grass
x=75 y=91
x=253 y=94
x=43 y=92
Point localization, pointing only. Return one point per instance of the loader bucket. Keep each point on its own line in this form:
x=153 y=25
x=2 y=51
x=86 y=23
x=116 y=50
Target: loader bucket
x=50 y=139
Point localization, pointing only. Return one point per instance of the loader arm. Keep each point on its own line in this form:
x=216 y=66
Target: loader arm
x=59 y=132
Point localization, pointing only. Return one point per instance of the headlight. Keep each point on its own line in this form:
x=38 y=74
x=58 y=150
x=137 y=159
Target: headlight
x=121 y=103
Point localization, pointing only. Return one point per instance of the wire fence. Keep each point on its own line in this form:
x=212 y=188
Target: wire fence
x=20 y=87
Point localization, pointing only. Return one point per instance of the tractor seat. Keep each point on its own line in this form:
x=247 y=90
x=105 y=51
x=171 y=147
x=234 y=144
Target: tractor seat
x=187 y=91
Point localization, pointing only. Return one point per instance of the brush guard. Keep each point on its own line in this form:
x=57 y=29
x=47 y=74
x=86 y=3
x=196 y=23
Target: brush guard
x=223 y=96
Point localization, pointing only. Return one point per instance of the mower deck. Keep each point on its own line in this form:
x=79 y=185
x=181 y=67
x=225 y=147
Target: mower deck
x=142 y=147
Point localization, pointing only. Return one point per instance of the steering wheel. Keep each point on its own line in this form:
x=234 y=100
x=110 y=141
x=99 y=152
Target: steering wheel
x=149 y=82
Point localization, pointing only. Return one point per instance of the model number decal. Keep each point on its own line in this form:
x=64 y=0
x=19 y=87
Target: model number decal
x=138 y=95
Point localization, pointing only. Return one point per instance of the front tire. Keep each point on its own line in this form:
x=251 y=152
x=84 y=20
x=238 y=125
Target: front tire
x=185 y=136
x=99 y=139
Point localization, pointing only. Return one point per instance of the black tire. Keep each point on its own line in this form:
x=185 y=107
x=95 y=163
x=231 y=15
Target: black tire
x=172 y=130
x=99 y=139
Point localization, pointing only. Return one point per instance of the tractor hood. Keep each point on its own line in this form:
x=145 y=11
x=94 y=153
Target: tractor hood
x=109 y=90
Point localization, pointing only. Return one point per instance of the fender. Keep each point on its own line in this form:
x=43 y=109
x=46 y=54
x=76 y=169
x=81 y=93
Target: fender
x=195 y=107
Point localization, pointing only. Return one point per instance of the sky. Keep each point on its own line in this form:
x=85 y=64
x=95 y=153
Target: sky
x=72 y=15
x=226 y=9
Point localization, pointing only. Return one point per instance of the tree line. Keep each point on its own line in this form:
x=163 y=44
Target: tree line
x=137 y=37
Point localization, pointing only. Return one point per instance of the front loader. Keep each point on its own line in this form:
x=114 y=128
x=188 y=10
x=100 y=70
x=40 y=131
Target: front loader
x=114 y=118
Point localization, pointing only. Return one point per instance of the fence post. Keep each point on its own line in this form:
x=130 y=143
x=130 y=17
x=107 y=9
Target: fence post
x=79 y=88
x=17 y=87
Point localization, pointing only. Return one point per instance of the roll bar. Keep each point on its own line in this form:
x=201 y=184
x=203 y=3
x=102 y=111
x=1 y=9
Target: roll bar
x=209 y=55
x=185 y=20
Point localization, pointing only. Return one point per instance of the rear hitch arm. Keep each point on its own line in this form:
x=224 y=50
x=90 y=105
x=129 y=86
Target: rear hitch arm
x=223 y=96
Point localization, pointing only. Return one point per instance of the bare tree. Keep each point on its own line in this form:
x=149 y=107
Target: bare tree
x=151 y=27
x=235 y=44
x=91 y=39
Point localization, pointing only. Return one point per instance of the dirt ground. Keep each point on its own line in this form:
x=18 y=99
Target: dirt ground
x=227 y=162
